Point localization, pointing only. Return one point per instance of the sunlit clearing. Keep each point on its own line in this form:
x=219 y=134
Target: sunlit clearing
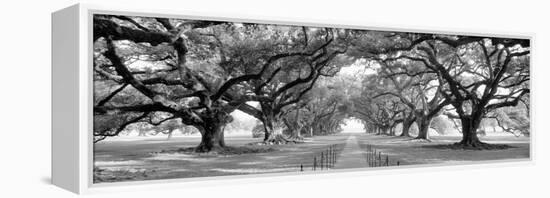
x=352 y=126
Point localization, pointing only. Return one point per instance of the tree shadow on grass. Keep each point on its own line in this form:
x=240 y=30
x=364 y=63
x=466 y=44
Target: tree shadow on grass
x=481 y=146
x=229 y=150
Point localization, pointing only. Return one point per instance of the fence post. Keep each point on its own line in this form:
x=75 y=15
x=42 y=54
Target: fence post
x=380 y=158
x=333 y=155
x=329 y=156
x=368 y=156
x=397 y=163
x=301 y=167
x=314 y=163
x=322 y=156
x=375 y=159
x=334 y=158
x=329 y=153
x=372 y=159
x=326 y=159
x=387 y=160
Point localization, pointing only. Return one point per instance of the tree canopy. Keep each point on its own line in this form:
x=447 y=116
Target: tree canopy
x=175 y=73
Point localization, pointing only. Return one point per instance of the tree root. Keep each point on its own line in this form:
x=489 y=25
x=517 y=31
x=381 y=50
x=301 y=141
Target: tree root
x=478 y=145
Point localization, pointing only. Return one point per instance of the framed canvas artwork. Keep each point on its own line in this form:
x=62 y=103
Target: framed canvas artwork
x=150 y=96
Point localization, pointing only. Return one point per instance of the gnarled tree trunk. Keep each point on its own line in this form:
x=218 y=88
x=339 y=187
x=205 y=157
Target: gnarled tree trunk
x=406 y=126
x=470 y=124
x=295 y=126
x=423 y=127
x=273 y=132
x=212 y=137
x=274 y=135
x=294 y=129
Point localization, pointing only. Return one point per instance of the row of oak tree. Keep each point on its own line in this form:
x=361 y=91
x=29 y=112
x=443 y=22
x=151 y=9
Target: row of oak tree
x=155 y=71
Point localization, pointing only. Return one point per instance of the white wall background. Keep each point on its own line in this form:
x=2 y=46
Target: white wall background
x=25 y=97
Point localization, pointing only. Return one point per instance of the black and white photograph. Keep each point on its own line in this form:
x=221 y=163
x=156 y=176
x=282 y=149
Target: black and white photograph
x=275 y=99
x=184 y=98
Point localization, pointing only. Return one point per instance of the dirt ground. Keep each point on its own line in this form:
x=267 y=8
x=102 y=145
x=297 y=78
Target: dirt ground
x=143 y=159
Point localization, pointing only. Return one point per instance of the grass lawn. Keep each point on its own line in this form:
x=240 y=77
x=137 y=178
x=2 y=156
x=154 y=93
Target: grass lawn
x=128 y=159
x=142 y=159
x=409 y=151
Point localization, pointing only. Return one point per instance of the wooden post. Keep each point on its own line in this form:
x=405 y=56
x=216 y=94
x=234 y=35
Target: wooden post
x=397 y=163
x=387 y=160
x=326 y=159
x=334 y=157
x=314 y=163
x=368 y=157
x=375 y=159
x=330 y=156
x=322 y=156
x=380 y=158
x=372 y=159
